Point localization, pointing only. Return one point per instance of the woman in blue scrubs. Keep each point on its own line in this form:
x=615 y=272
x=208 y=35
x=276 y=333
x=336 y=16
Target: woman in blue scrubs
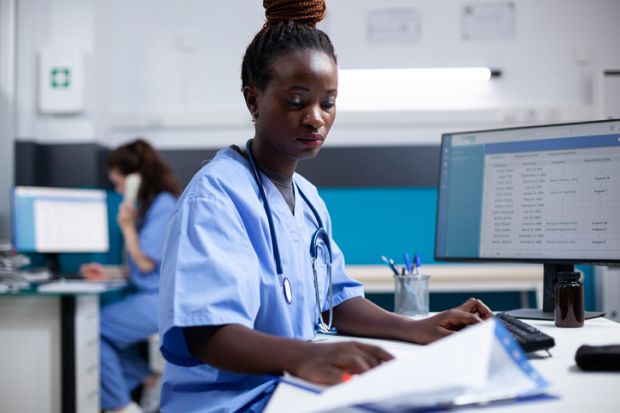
x=239 y=301
x=134 y=318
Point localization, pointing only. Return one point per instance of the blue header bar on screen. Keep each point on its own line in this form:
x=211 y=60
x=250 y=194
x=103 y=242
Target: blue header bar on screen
x=578 y=142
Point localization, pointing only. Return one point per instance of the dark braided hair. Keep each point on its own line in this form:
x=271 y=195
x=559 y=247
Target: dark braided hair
x=290 y=26
x=139 y=156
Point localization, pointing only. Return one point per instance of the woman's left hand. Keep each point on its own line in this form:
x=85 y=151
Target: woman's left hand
x=93 y=272
x=447 y=322
x=126 y=217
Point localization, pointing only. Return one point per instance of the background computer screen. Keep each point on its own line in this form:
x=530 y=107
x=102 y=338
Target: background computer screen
x=538 y=194
x=59 y=220
x=545 y=194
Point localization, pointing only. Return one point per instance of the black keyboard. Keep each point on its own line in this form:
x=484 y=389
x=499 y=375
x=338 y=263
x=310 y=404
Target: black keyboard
x=528 y=337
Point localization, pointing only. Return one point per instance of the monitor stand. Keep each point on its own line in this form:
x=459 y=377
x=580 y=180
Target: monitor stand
x=550 y=278
x=52 y=262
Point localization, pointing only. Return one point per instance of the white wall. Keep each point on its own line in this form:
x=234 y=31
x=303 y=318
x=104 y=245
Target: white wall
x=170 y=70
x=53 y=24
x=7 y=93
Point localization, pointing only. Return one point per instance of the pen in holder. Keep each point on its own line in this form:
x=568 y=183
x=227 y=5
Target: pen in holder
x=411 y=295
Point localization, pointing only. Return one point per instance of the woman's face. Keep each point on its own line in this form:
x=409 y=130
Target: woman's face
x=117 y=179
x=295 y=110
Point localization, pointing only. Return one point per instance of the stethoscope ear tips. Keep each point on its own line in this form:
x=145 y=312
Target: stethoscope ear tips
x=324 y=329
x=319 y=234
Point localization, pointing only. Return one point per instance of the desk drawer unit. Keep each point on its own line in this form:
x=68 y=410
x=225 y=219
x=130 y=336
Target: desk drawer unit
x=86 y=355
x=87 y=345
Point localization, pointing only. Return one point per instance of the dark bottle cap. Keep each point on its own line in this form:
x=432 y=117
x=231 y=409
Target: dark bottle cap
x=569 y=276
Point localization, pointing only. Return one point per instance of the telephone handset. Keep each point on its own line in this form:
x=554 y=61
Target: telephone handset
x=132 y=186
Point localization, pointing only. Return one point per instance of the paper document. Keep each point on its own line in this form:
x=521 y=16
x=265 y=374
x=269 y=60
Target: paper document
x=37 y=274
x=478 y=365
x=77 y=286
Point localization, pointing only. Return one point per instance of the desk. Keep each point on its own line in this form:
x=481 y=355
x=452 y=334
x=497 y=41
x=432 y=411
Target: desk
x=460 y=278
x=49 y=354
x=578 y=391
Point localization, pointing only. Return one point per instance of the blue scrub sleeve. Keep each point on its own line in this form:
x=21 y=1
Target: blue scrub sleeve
x=210 y=274
x=151 y=233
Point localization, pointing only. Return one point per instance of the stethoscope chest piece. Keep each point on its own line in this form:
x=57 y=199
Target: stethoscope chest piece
x=288 y=291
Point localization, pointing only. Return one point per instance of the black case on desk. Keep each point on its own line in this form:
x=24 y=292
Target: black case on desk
x=598 y=358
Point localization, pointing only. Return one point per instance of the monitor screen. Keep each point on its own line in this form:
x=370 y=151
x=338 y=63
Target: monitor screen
x=545 y=194
x=538 y=194
x=59 y=220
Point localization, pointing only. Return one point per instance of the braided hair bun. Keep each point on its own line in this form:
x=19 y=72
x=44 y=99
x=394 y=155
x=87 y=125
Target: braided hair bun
x=308 y=12
x=290 y=26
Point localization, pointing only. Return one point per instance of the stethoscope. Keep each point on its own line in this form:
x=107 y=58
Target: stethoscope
x=315 y=248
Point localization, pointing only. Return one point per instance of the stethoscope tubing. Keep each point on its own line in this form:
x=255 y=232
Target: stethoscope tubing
x=272 y=230
x=320 y=233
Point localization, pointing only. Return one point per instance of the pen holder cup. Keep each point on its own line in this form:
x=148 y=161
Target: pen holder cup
x=411 y=295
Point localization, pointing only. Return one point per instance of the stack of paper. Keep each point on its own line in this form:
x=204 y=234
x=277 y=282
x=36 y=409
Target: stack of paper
x=76 y=286
x=479 y=365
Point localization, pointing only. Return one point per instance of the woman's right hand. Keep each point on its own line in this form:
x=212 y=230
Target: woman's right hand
x=93 y=272
x=332 y=363
x=126 y=217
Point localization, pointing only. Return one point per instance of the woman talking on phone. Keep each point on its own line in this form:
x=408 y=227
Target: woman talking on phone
x=150 y=190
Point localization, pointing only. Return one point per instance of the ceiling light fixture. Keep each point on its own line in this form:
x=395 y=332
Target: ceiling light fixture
x=456 y=74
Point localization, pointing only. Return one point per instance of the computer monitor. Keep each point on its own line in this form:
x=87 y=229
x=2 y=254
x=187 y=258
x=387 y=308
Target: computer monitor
x=542 y=194
x=57 y=220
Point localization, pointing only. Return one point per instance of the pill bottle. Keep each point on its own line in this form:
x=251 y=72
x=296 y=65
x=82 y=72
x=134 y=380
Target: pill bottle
x=569 y=309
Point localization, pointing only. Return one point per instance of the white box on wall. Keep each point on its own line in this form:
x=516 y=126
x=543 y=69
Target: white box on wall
x=61 y=81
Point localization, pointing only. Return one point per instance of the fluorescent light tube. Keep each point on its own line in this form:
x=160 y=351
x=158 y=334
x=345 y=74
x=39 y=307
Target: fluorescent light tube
x=390 y=76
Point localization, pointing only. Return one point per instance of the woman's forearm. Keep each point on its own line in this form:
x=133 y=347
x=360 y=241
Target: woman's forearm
x=239 y=349
x=132 y=245
x=360 y=317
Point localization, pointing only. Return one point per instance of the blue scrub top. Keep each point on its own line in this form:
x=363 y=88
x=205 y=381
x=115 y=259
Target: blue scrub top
x=151 y=241
x=218 y=268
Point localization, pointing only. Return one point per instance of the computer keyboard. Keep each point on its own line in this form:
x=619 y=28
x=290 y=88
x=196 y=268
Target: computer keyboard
x=528 y=337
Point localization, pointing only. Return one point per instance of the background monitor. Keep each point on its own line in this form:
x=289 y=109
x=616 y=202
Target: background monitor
x=544 y=194
x=54 y=220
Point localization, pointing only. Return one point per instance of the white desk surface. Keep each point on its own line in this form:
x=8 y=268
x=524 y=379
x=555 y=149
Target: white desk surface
x=578 y=391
